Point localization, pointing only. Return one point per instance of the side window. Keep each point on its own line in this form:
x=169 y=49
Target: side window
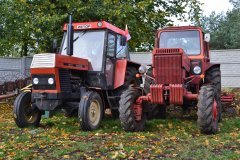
x=111 y=45
x=121 y=50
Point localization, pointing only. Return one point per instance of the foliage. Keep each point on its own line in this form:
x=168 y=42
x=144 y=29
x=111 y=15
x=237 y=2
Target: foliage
x=29 y=26
x=224 y=29
x=173 y=138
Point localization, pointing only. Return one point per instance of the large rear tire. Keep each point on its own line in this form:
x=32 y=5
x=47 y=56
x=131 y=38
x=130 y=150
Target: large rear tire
x=90 y=111
x=126 y=111
x=24 y=113
x=130 y=79
x=208 y=110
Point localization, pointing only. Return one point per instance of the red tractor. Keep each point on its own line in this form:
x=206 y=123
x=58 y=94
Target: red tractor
x=87 y=76
x=182 y=75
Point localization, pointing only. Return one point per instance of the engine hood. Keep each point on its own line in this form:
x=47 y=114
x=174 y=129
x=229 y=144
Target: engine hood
x=50 y=60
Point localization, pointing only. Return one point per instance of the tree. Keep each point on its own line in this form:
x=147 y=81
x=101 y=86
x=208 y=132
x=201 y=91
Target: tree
x=224 y=28
x=29 y=26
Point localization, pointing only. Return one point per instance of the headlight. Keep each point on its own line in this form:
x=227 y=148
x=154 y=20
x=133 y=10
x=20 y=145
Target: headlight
x=197 y=70
x=50 y=81
x=142 y=69
x=35 y=80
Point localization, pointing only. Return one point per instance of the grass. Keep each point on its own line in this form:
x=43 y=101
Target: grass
x=177 y=137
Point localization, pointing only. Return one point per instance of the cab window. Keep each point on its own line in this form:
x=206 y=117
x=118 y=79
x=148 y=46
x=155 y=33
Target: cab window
x=121 y=50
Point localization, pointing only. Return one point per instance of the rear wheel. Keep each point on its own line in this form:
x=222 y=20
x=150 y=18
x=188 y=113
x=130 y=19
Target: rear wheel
x=90 y=111
x=24 y=113
x=208 y=109
x=127 y=116
x=130 y=79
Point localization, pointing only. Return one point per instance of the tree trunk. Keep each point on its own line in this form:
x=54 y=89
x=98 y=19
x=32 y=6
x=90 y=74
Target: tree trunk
x=24 y=51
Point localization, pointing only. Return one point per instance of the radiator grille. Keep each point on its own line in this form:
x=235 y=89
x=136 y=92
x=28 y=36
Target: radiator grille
x=168 y=50
x=65 y=83
x=168 y=68
x=45 y=60
x=43 y=82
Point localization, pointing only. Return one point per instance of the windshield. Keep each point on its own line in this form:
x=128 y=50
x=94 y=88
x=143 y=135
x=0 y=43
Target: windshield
x=88 y=45
x=189 y=41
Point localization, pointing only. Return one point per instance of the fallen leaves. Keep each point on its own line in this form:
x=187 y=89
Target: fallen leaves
x=66 y=156
x=206 y=142
x=60 y=138
x=118 y=155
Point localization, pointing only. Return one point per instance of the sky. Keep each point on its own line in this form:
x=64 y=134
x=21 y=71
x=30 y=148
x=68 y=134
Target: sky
x=215 y=5
x=209 y=6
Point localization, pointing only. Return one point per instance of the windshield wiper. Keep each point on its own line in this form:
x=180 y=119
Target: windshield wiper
x=80 y=35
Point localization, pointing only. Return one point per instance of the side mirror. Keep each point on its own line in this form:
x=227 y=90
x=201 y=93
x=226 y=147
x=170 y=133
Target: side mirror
x=207 y=37
x=55 y=45
x=123 y=41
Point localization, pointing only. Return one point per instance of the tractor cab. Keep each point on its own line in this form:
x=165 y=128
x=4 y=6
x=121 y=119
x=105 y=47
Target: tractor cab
x=101 y=43
x=193 y=42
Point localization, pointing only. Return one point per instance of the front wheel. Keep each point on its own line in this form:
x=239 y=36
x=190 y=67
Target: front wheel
x=24 y=113
x=208 y=109
x=90 y=111
x=126 y=111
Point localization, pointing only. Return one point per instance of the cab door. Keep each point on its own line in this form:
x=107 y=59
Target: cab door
x=110 y=59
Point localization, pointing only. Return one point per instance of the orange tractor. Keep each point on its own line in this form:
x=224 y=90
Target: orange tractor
x=181 y=74
x=87 y=76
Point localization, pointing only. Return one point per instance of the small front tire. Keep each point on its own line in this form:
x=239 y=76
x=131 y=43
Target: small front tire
x=90 y=111
x=24 y=113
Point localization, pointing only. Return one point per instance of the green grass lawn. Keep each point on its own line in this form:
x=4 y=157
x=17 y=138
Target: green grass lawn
x=177 y=137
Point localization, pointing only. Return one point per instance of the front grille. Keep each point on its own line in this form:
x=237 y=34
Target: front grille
x=43 y=82
x=65 y=83
x=168 y=68
x=44 y=87
x=168 y=50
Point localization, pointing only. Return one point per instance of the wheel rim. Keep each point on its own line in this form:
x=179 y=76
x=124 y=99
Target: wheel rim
x=94 y=113
x=215 y=111
x=30 y=114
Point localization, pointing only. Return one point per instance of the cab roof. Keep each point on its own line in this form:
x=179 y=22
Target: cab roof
x=94 y=26
x=182 y=28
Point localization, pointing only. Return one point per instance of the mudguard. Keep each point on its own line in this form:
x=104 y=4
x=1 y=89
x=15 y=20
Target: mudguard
x=120 y=71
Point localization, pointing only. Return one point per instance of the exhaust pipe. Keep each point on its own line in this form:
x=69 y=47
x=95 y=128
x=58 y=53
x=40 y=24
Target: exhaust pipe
x=70 y=37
